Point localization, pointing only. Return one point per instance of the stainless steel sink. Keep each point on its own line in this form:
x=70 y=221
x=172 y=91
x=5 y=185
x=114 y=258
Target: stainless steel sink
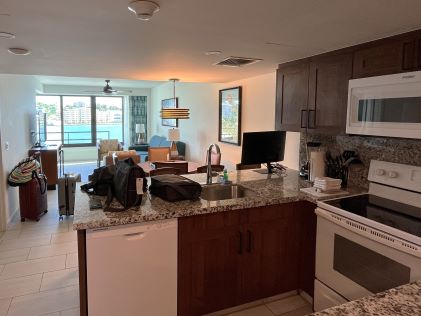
x=216 y=192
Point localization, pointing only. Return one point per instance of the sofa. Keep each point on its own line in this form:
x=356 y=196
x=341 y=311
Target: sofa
x=158 y=141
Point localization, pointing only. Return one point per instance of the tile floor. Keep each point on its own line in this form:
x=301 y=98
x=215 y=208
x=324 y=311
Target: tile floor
x=288 y=304
x=39 y=272
x=38 y=266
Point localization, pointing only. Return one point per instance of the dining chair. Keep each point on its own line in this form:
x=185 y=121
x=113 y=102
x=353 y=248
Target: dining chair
x=182 y=166
x=239 y=166
x=165 y=170
x=158 y=154
x=215 y=168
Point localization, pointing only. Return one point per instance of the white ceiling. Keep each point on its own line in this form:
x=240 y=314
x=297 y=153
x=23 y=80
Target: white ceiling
x=102 y=39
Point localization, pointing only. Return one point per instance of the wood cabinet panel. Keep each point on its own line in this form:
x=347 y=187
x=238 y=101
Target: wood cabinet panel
x=384 y=57
x=328 y=93
x=209 y=250
x=292 y=96
x=49 y=160
x=230 y=258
x=271 y=257
x=307 y=229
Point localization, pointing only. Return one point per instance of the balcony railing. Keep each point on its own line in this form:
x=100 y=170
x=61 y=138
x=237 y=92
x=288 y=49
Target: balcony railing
x=76 y=138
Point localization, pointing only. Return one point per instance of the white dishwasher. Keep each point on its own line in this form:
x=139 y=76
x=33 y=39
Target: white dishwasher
x=132 y=270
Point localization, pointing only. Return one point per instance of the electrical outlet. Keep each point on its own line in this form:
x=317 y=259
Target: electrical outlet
x=6 y=146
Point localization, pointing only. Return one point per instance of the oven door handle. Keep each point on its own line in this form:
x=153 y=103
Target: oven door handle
x=370 y=233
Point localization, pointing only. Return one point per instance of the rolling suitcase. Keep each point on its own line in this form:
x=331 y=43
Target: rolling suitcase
x=33 y=198
x=66 y=194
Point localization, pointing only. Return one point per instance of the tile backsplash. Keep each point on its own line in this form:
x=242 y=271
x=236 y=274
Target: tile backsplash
x=399 y=150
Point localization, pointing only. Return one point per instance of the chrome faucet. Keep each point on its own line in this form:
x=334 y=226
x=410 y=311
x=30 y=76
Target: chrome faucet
x=209 y=169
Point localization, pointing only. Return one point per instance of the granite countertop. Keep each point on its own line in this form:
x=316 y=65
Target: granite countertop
x=403 y=300
x=268 y=189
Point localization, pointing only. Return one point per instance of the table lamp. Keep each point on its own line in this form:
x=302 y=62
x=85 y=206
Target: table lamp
x=140 y=132
x=173 y=136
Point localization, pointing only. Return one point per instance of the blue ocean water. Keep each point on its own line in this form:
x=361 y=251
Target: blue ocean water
x=81 y=134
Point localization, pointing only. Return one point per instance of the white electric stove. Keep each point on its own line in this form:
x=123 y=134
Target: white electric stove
x=371 y=242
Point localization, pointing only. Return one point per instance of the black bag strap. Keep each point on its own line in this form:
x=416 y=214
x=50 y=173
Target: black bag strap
x=36 y=176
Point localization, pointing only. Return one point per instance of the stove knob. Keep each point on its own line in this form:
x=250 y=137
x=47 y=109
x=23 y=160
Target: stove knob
x=393 y=174
x=380 y=172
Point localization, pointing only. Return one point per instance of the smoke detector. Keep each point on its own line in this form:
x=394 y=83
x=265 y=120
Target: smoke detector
x=19 y=51
x=144 y=10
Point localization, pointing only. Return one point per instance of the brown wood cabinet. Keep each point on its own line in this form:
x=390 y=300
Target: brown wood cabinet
x=49 y=159
x=230 y=258
x=307 y=252
x=292 y=96
x=328 y=93
x=312 y=94
x=388 y=56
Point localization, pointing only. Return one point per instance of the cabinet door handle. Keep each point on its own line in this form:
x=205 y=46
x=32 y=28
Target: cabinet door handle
x=249 y=243
x=303 y=120
x=313 y=125
x=240 y=244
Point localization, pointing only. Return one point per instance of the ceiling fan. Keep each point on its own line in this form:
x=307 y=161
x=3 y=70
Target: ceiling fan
x=109 y=90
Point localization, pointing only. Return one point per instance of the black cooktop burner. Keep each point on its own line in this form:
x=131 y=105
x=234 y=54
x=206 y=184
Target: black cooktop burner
x=391 y=213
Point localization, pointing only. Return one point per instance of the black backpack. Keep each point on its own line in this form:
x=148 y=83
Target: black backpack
x=100 y=181
x=124 y=183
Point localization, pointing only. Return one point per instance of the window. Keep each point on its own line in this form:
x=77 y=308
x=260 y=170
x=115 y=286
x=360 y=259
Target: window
x=82 y=120
x=50 y=105
x=109 y=118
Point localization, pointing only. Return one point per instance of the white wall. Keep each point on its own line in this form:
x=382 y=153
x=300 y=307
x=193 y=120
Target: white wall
x=17 y=119
x=200 y=130
x=258 y=114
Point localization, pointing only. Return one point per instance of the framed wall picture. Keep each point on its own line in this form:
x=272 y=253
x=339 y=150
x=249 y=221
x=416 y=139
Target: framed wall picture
x=170 y=104
x=230 y=116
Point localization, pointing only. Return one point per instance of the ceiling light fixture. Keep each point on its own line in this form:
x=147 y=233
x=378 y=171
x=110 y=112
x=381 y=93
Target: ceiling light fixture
x=7 y=35
x=144 y=10
x=213 y=52
x=175 y=113
x=18 y=51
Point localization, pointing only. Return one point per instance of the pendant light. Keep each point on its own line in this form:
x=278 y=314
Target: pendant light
x=175 y=113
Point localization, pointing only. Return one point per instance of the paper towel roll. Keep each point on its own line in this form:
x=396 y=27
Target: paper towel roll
x=317 y=164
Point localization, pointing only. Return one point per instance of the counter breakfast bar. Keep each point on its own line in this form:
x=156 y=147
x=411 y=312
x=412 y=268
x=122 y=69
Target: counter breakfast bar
x=224 y=253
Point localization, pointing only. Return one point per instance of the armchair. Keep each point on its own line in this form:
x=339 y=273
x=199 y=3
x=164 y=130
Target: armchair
x=106 y=145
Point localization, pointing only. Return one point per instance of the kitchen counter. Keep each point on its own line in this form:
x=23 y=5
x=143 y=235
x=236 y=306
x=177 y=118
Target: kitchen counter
x=404 y=300
x=268 y=189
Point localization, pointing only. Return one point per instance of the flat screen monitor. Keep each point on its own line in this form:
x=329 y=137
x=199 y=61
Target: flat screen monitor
x=263 y=147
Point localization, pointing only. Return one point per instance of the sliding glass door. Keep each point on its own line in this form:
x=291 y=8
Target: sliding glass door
x=76 y=121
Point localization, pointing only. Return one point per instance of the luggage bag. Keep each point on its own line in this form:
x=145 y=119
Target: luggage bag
x=33 y=198
x=66 y=194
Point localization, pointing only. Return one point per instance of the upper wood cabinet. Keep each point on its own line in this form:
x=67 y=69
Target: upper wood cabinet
x=292 y=96
x=384 y=57
x=312 y=94
x=328 y=93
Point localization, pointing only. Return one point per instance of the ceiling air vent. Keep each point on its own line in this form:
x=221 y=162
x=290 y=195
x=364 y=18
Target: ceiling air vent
x=237 y=61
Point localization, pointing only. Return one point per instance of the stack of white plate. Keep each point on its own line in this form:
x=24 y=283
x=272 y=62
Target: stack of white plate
x=327 y=184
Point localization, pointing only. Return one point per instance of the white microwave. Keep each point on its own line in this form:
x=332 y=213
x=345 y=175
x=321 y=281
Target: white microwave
x=385 y=106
